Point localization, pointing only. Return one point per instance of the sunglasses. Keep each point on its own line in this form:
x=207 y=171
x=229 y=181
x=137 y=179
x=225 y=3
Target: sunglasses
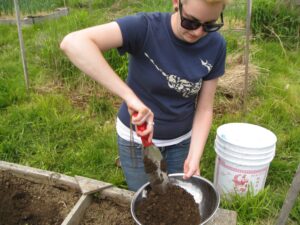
x=195 y=24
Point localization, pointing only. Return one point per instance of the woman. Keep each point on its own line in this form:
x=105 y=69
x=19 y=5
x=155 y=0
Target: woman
x=174 y=64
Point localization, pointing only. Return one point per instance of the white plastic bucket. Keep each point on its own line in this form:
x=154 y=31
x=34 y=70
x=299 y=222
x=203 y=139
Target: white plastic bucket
x=244 y=153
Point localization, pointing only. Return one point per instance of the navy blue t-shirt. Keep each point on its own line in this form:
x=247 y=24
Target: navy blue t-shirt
x=165 y=72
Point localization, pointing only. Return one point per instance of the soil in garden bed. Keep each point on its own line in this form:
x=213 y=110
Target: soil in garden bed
x=106 y=212
x=23 y=202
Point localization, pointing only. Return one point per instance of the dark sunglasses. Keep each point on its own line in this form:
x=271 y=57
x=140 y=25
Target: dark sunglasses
x=195 y=24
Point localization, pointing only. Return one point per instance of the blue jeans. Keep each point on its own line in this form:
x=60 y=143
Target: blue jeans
x=131 y=157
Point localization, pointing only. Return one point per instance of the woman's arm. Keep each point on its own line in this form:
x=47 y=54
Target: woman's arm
x=201 y=127
x=84 y=49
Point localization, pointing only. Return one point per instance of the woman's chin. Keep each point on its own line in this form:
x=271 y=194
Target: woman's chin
x=192 y=38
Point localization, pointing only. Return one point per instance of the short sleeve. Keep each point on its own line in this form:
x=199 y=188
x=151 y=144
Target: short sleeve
x=218 y=69
x=134 y=30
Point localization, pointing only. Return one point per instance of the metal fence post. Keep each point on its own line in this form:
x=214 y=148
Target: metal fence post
x=248 y=33
x=23 y=55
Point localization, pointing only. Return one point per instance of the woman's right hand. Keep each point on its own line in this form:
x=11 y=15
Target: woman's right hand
x=143 y=115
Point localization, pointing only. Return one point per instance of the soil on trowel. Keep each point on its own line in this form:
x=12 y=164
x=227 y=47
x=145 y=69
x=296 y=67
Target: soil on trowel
x=174 y=207
x=149 y=166
x=156 y=174
x=23 y=202
x=106 y=212
x=163 y=165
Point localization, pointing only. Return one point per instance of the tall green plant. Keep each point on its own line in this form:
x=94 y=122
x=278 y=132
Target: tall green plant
x=273 y=20
x=236 y=10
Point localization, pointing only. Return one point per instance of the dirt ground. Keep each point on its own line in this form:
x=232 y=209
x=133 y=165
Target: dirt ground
x=106 y=212
x=23 y=202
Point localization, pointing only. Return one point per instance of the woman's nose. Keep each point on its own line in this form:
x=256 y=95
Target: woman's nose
x=198 y=32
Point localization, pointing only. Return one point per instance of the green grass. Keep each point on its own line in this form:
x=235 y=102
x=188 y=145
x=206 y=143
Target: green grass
x=29 y=6
x=66 y=122
x=276 y=17
x=48 y=133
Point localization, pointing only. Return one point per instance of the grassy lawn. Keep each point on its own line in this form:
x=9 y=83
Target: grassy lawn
x=66 y=122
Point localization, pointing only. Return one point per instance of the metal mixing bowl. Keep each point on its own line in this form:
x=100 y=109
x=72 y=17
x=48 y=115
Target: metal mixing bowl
x=202 y=189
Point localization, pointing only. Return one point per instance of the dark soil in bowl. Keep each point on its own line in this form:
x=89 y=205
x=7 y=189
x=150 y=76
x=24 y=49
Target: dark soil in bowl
x=106 y=212
x=23 y=202
x=174 y=207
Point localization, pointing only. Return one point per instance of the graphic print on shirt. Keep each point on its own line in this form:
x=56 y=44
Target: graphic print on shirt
x=207 y=65
x=182 y=86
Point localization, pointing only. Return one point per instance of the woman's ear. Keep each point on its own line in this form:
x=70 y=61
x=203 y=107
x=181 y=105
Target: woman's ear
x=175 y=5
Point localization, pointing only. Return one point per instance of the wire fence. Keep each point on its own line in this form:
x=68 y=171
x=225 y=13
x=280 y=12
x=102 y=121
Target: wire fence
x=235 y=29
x=235 y=20
x=29 y=6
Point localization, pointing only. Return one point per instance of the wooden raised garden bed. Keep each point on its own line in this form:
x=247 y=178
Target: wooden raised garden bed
x=37 y=197
x=31 y=198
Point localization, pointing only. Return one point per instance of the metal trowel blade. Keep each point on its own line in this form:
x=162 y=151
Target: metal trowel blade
x=159 y=179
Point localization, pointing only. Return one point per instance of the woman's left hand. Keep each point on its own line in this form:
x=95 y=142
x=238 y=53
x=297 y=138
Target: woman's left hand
x=190 y=168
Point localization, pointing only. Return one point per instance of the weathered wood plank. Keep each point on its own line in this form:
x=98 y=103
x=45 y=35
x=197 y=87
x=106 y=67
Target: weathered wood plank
x=77 y=213
x=119 y=196
x=40 y=176
x=224 y=217
x=90 y=186
x=290 y=199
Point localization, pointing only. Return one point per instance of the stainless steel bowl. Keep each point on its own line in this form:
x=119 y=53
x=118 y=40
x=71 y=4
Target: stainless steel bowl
x=202 y=189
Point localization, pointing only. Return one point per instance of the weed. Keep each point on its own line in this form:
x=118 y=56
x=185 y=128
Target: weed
x=274 y=19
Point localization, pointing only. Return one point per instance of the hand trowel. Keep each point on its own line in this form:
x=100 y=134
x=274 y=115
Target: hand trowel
x=155 y=165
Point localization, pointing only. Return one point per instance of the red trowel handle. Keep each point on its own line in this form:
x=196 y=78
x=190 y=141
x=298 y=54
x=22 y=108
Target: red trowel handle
x=143 y=127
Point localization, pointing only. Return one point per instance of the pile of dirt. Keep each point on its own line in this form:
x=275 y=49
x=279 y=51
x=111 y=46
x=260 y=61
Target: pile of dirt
x=106 y=212
x=175 y=207
x=26 y=202
x=231 y=87
x=232 y=84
